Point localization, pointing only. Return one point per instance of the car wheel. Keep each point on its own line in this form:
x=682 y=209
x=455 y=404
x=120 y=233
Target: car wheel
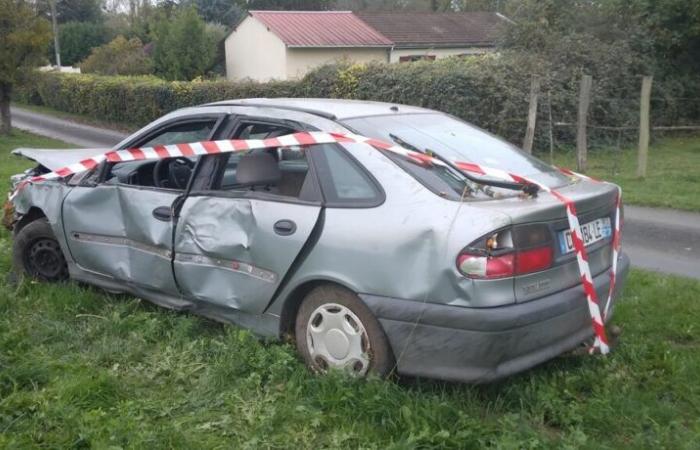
x=37 y=254
x=335 y=330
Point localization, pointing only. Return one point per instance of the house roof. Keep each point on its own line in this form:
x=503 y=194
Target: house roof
x=416 y=29
x=321 y=29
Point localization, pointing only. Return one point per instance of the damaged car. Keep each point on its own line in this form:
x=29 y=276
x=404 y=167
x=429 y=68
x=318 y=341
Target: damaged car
x=369 y=261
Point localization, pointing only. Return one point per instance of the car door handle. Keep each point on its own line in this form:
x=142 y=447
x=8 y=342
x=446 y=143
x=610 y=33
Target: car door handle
x=285 y=227
x=163 y=213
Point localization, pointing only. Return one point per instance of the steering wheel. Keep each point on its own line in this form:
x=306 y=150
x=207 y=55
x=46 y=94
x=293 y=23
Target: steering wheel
x=173 y=173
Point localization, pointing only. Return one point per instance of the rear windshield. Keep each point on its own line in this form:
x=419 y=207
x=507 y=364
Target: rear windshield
x=452 y=140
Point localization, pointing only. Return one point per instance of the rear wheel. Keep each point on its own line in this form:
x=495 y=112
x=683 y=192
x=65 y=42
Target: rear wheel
x=37 y=254
x=335 y=330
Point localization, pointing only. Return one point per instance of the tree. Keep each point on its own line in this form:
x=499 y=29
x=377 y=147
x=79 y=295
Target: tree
x=72 y=10
x=183 y=48
x=79 y=11
x=119 y=57
x=23 y=41
x=292 y=5
x=224 y=12
x=672 y=27
x=78 y=39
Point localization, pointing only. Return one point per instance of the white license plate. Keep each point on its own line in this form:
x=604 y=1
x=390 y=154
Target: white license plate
x=591 y=232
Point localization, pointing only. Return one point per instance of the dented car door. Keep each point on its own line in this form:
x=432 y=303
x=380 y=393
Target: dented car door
x=120 y=226
x=238 y=237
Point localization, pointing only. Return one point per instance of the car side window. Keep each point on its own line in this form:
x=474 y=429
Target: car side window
x=282 y=171
x=343 y=181
x=182 y=133
x=167 y=173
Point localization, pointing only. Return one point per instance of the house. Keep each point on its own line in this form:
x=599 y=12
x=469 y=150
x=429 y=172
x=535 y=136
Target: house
x=282 y=45
x=418 y=35
x=286 y=44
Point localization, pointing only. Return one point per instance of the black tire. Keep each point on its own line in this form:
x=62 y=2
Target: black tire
x=36 y=253
x=381 y=357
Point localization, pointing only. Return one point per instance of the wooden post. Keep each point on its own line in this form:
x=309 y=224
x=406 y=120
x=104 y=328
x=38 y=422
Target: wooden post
x=532 y=114
x=584 y=101
x=644 y=127
x=551 y=127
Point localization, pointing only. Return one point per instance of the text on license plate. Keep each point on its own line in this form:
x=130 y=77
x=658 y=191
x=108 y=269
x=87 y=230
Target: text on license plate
x=591 y=232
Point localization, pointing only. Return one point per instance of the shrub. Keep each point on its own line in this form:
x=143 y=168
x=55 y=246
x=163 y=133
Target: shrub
x=184 y=47
x=490 y=91
x=119 y=57
x=77 y=39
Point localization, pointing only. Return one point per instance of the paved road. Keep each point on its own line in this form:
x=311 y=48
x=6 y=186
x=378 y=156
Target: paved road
x=663 y=240
x=64 y=130
x=656 y=239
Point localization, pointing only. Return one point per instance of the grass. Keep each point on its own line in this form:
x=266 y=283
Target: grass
x=80 y=368
x=673 y=176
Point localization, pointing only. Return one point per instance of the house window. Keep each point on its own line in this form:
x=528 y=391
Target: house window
x=411 y=58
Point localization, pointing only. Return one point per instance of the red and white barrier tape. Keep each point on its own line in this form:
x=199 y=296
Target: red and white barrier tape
x=314 y=138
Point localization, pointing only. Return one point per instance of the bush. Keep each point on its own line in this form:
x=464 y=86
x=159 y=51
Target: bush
x=184 y=47
x=77 y=39
x=119 y=57
x=490 y=91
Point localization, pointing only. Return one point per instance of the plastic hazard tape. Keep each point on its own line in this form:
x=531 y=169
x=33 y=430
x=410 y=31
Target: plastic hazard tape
x=313 y=138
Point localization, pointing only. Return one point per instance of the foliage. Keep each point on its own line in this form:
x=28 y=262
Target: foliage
x=80 y=368
x=77 y=39
x=118 y=57
x=224 y=12
x=490 y=91
x=184 y=49
x=674 y=29
x=302 y=5
x=23 y=41
x=72 y=10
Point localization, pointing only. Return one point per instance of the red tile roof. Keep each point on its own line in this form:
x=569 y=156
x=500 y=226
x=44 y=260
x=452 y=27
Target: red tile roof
x=321 y=29
x=415 y=29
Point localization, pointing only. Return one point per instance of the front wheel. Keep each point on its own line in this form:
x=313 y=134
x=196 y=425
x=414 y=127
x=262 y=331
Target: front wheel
x=37 y=254
x=335 y=330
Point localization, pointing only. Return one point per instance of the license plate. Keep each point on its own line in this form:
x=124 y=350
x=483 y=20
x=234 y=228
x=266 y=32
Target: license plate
x=591 y=232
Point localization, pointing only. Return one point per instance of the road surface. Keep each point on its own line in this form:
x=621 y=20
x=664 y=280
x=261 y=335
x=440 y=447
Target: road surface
x=662 y=240
x=74 y=133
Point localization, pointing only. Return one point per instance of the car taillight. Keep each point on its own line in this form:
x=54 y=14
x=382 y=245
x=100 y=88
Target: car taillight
x=509 y=252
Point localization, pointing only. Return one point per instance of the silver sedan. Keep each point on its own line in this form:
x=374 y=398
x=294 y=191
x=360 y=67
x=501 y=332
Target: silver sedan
x=368 y=260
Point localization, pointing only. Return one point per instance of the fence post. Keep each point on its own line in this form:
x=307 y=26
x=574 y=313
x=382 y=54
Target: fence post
x=644 y=127
x=532 y=114
x=584 y=101
x=551 y=127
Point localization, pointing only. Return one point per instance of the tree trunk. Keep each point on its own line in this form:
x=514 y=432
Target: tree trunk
x=5 y=117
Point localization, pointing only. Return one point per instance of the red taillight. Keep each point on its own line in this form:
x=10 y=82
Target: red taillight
x=507 y=253
x=533 y=260
x=480 y=266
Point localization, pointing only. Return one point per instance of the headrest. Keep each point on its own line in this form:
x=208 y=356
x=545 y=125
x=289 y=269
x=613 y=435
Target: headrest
x=257 y=169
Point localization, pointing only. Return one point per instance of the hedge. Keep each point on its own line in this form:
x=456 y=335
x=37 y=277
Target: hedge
x=490 y=91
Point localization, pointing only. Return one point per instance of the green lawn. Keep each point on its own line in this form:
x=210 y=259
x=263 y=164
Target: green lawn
x=673 y=177
x=80 y=368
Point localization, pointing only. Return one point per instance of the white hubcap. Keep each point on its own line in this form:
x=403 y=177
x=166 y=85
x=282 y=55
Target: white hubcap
x=336 y=338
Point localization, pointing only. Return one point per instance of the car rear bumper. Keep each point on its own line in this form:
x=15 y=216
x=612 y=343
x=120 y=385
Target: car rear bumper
x=484 y=344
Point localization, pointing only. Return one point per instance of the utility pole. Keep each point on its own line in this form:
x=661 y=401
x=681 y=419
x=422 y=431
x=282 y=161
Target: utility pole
x=57 y=48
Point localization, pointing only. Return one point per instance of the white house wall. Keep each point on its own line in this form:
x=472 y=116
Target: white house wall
x=252 y=51
x=301 y=60
x=437 y=52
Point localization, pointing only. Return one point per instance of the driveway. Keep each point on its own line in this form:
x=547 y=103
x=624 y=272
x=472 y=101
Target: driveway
x=661 y=240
